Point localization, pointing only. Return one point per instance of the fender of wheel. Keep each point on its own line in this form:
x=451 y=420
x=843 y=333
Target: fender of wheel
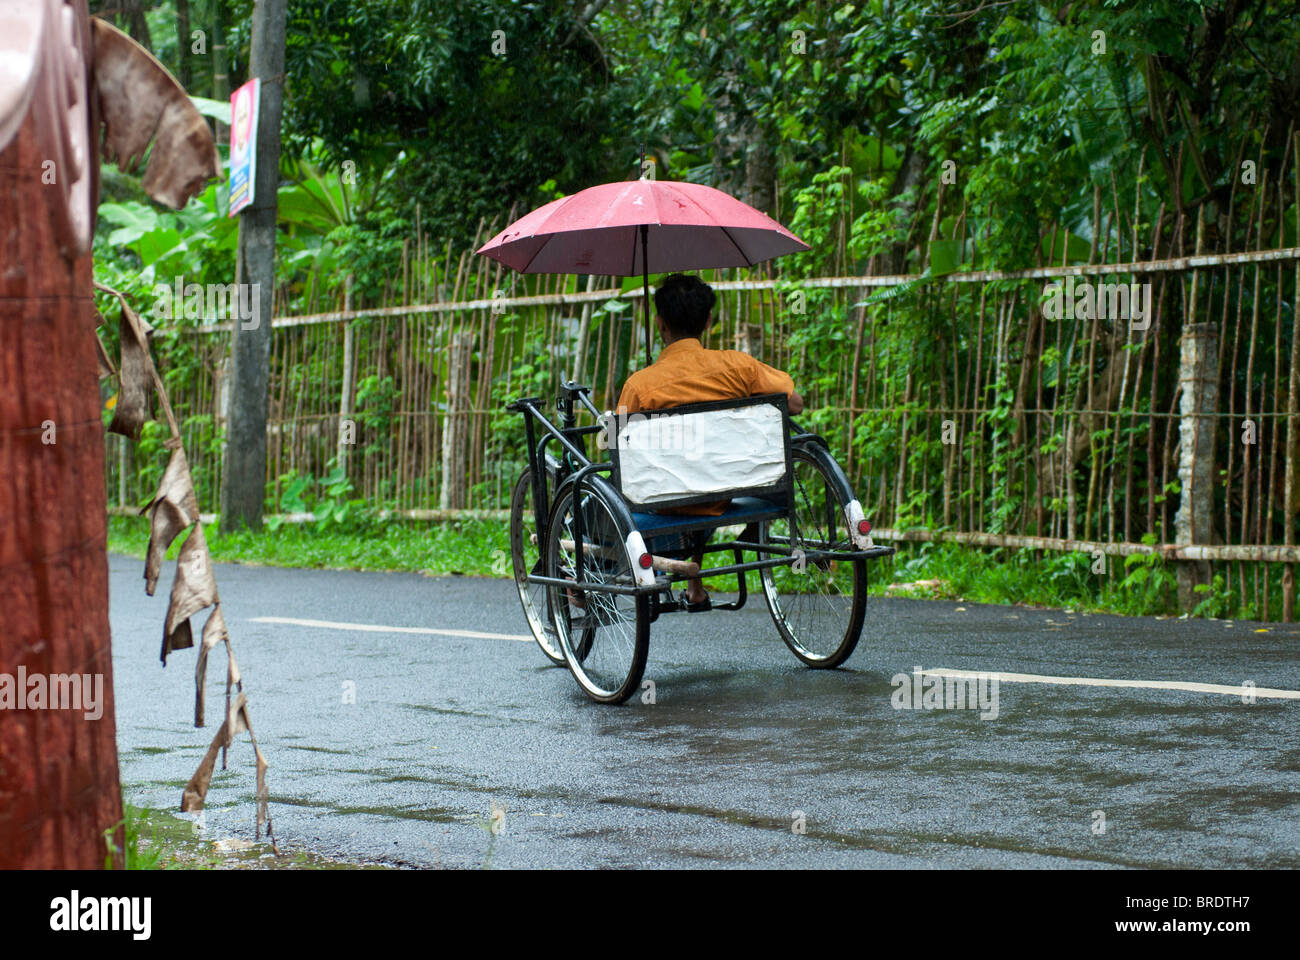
x=633 y=542
x=853 y=507
x=819 y=452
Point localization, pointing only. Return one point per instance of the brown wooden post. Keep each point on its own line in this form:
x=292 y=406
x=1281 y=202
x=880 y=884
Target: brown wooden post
x=347 y=430
x=747 y=337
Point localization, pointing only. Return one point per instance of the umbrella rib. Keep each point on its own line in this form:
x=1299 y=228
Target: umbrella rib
x=535 y=255
x=727 y=232
x=743 y=255
x=538 y=252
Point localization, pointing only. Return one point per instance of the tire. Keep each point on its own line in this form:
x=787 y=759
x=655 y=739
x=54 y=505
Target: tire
x=526 y=558
x=818 y=610
x=604 y=636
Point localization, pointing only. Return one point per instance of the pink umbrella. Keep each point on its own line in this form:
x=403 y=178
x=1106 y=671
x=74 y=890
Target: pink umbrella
x=641 y=226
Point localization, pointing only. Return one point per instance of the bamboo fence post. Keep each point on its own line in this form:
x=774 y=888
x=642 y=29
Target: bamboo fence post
x=1257 y=221
x=345 y=393
x=1290 y=489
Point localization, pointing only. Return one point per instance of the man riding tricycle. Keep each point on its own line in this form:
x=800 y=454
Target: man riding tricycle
x=702 y=442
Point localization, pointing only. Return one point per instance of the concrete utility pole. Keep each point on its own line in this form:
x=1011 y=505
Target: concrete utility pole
x=245 y=475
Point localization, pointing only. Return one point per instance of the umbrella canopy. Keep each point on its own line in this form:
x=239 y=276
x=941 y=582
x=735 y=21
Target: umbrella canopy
x=641 y=226
x=597 y=231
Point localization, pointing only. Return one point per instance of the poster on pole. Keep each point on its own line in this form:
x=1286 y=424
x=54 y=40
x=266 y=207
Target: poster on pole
x=243 y=145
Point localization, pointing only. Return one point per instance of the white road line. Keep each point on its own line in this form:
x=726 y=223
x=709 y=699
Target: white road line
x=379 y=628
x=1226 y=689
x=1193 y=687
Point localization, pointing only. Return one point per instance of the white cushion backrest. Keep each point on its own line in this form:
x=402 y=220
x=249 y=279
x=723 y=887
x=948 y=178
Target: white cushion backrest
x=711 y=452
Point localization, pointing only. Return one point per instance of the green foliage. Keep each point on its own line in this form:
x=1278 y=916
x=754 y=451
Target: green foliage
x=1026 y=577
x=292 y=497
x=375 y=399
x=414 y=88
x=1147 y=579
x=822 y=214
x=363 y=543
x=325 y=497
x=133 y=857
x=333 y=506
x=1217 y=600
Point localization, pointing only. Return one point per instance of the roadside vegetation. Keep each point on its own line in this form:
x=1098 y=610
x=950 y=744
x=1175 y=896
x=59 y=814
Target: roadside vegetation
x=474 y=548
x=1137 y=586
x=158 y=840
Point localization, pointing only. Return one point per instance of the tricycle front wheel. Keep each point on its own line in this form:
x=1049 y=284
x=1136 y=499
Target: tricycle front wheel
x=605 y=636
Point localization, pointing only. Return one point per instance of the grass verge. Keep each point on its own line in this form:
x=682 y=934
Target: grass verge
x=473 y=547
x=1139 y=585
x=157 y=840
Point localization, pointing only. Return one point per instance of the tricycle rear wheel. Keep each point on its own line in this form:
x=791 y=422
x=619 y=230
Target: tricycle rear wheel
x=818 y=606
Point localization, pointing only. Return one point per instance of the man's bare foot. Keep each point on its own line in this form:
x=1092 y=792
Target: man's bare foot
x=695 y=592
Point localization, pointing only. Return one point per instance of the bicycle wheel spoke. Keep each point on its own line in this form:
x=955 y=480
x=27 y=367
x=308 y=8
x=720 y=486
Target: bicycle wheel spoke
x=602 y=632
x=526 y=555
x=818 y=616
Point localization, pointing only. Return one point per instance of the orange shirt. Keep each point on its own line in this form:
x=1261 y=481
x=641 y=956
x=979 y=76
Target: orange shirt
x=686 y=372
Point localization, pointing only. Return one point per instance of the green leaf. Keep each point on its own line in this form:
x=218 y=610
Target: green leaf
x=134 y=221
x=156 y=244
x=945 y=256
x=216 y=109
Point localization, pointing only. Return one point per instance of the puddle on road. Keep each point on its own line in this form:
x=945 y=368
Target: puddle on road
x=430 y=814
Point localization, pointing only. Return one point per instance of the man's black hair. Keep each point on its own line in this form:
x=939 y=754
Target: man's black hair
x=685 y=303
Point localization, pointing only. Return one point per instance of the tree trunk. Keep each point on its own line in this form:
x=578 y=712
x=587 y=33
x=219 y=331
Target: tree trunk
x=59 y=788
x=136 y=25
x=184 y=65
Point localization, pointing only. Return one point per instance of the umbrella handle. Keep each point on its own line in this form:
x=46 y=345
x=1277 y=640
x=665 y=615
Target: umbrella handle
x=645 y=285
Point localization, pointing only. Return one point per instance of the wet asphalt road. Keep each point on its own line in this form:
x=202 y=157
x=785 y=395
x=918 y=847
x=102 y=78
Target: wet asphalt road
x=741 y=736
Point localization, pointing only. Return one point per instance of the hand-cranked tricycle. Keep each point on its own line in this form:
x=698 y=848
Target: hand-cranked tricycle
x=597 y=547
